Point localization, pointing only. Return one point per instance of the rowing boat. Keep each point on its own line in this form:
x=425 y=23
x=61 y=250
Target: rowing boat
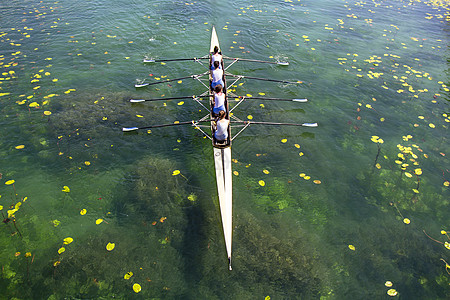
x=221 y=149
x=222 y=162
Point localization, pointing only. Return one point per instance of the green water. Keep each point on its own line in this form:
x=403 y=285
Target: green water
x=373 y=68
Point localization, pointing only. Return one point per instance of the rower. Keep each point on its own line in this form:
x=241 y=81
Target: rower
x=221 y=133
x=216 y=57
x=219 y=100
x=217 y=75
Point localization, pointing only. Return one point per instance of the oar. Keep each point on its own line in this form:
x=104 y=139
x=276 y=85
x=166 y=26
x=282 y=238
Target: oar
x=274 y=99
x=151 y=60
x=126 y=129
x=273 y=123
x=168 y=98
x=162 y=81
x=281 y=63
x=264 y=79
x=170 y=80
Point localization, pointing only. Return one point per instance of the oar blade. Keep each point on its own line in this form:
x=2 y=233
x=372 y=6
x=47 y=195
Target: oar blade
x=148 y=60
x=300 y=100
x=139 y=85
x=283 y=63
x=127 y=129
x=137 y=100
x=310 y=124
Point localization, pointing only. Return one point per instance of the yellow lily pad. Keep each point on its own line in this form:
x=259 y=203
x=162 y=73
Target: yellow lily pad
x=392 y=292
x=136 y=287
x=68 y=240
x=110 y=246
x=128 y=275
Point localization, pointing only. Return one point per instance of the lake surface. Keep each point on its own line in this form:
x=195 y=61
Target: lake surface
x=355 y=208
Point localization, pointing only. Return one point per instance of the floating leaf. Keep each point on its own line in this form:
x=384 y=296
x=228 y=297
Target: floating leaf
x=266 y=171
x=136 y=287
x=87 y=163
x=9 y=182
x=180 y=103
x=61 y=250
x=262 y=183
x=110 y=246
x=20 y=147
x=83 y=211
x=250 y=117
x=128 y=275
x=236 y=173
x=47 y=113
x=406 y=221
x=447 y=245
x=297 y=146
x=392 y=292
x=388 y=283
x=284 y=141
x=68 y=240
x=98 y=221
x=351 y=247
x=176 y=172
x=317 y=181
x=66 y=189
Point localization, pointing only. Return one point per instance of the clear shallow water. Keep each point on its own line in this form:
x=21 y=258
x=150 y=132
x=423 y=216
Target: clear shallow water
x=369 y=69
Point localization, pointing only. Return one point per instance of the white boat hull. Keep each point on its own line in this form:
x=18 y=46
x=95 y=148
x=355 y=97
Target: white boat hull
x=222 y=161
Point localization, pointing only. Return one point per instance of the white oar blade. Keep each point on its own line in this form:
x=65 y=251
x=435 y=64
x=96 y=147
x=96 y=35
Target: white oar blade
x=310 y=124
x=136 y=100
x=283 y=63
x=149 y=60
x=129 y=129
x=140 y=85
x=300 y=100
